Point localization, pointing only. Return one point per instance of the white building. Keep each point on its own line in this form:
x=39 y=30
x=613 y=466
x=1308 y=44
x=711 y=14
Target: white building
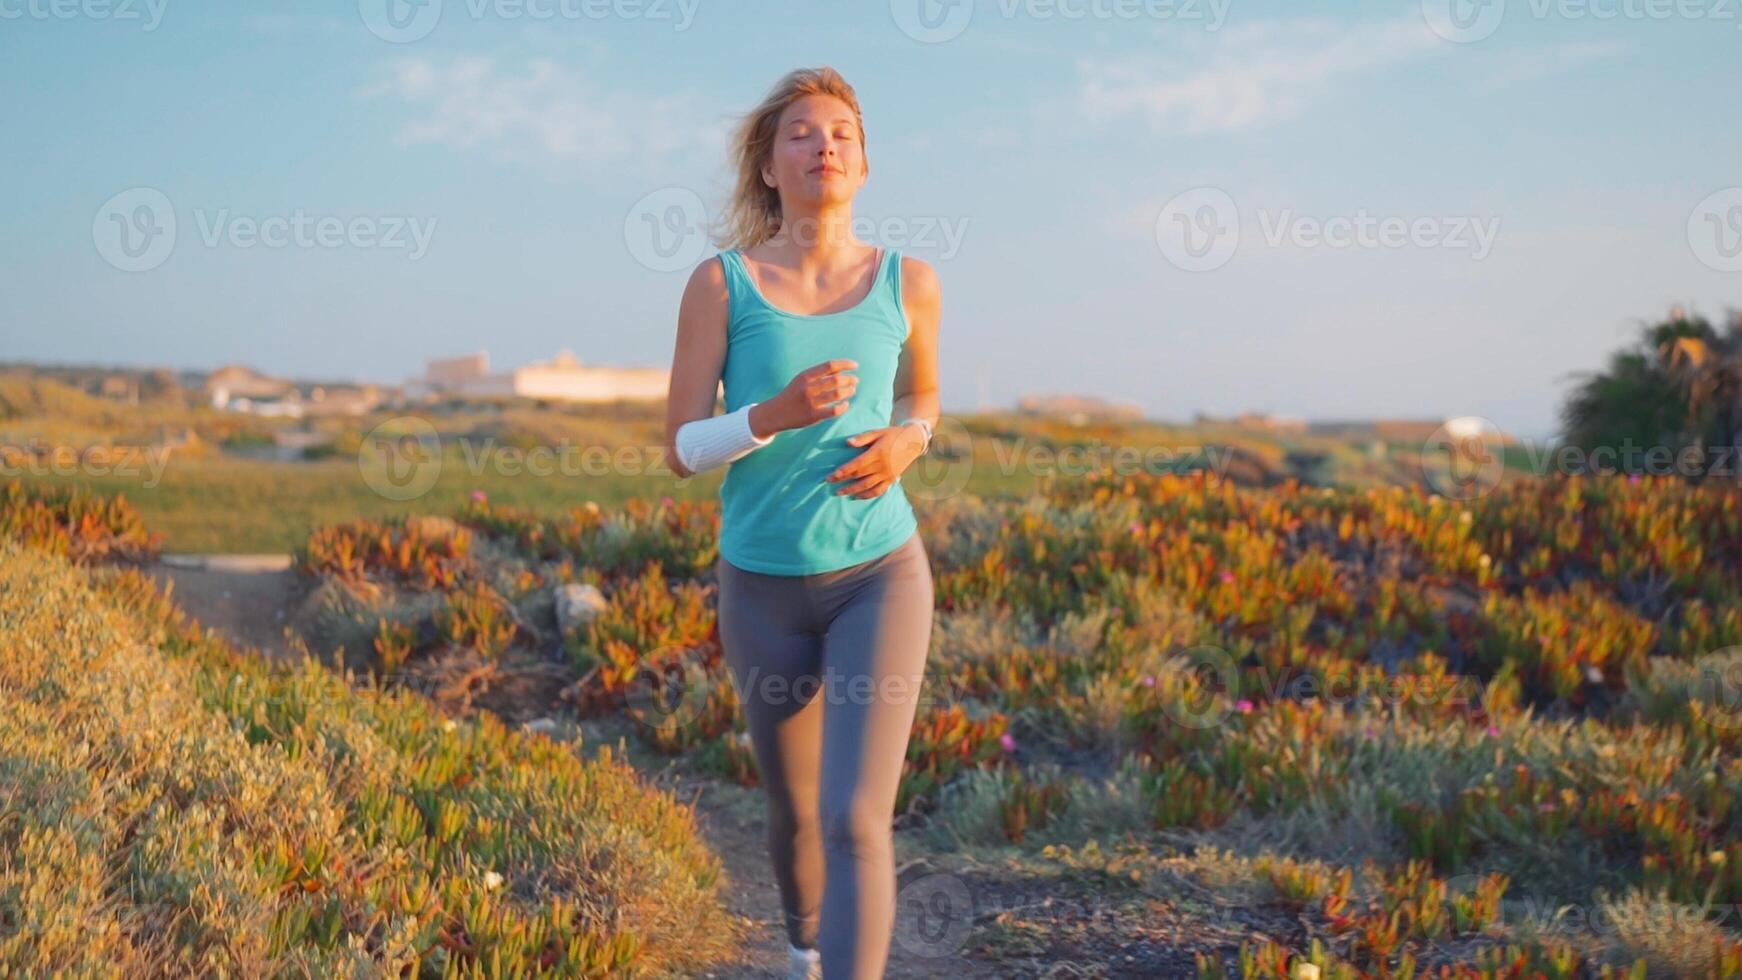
x=562 y=378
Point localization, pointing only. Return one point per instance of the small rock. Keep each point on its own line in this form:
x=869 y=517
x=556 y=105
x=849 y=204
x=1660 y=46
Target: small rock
x=576 y=606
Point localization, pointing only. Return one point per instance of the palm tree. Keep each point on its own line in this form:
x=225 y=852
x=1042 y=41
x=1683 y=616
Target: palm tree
x=1708 y=371
x=1679 y=386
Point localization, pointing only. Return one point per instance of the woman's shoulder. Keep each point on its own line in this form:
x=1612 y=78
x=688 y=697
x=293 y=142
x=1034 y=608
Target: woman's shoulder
x=919 y=281
x=710 y=272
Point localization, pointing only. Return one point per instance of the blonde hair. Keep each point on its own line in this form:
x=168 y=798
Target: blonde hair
x=752 y=216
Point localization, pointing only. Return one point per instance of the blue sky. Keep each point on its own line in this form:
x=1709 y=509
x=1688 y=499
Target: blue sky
x=1037 y=158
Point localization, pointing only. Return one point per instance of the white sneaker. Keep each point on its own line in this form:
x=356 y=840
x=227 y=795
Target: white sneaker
x=803 y=964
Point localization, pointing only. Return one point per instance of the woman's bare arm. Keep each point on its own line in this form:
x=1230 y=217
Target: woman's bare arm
x=699 y=357
x=916 y=376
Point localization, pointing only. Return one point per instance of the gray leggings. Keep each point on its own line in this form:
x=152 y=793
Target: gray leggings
x=829 y=667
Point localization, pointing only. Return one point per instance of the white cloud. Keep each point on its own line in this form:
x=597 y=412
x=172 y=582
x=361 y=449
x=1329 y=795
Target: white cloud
x=1252 y=75
x=541 y=110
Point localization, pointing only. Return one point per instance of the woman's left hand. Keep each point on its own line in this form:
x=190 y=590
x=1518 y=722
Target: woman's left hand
x=892 y=450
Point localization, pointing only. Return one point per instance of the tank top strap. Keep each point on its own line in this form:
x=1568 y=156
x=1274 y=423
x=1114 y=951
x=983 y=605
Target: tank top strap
x=892 y=275
x=738 y=285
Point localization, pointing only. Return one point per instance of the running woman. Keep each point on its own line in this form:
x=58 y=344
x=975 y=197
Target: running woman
x=825 y=586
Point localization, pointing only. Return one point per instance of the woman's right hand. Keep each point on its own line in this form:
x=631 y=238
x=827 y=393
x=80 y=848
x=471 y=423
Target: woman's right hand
x=814 y=394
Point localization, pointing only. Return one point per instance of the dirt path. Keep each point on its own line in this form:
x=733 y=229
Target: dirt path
x=731 y=820
x=943 y=899
x=248 y=598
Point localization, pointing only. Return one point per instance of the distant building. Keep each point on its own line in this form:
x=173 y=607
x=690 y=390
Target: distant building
x=119 y=387
x=562 y=378
x=1080 y=409
x=236 y=381
x=238 y=388
x=339 y=399
x=1259 y=422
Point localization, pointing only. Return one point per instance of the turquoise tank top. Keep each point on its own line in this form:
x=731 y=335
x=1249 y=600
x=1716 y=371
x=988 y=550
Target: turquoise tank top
x=778 y=515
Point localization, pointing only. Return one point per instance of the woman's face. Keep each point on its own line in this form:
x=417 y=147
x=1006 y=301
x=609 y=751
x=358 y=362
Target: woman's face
x=817 y=156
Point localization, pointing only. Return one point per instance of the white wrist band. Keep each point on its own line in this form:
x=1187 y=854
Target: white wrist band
x=717 y=440
x=924 y=426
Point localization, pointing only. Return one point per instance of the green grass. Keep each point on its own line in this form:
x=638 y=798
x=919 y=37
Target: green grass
x=168 y=807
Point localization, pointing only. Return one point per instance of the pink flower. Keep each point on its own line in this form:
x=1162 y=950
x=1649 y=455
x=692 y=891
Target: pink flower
x=1227 y=578
x=1148 y=680
x=665 y=501
x=1136 y=528
x=1243 y=706
x=1008 y=741
x=1633 y=478
x=1493 y=731
x=479 y=496
x=1367 y=733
